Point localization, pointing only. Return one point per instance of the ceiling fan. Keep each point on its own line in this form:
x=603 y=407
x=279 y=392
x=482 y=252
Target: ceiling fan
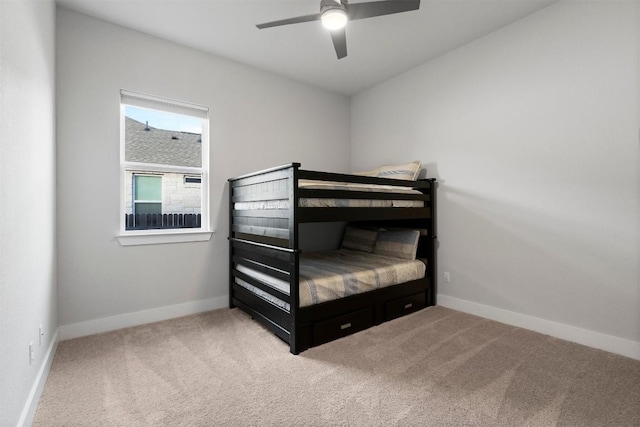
x=334 y=15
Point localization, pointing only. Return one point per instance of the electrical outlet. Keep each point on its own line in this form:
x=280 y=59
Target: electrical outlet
x=446 y=276
x=32 y=353
x=40 y=335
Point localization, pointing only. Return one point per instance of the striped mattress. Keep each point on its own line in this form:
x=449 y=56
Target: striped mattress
x=330 y=275
x=334 y=203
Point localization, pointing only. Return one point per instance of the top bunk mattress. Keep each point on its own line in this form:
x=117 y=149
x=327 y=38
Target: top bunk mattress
x=339 y=202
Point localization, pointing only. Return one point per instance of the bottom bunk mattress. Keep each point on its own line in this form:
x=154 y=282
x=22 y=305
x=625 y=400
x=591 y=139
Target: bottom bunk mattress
x=331 y=275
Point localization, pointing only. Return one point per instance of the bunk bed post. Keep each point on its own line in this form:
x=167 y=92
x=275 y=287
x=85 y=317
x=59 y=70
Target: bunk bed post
x=231 y=305
x=294 y=343
x=433 y=244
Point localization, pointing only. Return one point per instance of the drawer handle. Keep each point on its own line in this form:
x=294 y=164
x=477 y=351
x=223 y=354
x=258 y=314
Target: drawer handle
x=408 y=305
x=345 y=326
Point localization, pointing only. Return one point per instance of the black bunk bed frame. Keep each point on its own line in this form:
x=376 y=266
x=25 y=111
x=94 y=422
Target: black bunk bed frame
x=267 y=240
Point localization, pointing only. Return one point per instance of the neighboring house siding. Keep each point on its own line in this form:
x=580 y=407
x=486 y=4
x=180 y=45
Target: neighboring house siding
x=177 y=196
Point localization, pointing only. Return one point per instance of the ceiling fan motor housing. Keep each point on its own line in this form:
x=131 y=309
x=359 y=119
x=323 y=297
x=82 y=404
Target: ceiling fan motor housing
x=332 y=4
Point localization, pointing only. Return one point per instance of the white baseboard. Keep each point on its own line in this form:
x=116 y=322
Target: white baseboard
x=30 y=406
x=586 y=337
x=127 y=320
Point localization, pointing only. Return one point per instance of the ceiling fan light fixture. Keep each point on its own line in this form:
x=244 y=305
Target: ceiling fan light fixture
x=334 y=19
x=334 y=15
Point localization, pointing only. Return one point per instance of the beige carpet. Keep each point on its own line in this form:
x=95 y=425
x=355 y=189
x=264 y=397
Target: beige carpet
x=437 y=367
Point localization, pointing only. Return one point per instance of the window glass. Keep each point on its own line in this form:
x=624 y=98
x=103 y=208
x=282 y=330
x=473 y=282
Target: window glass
x=147 y=187
x=143 y=208
x=160 y=137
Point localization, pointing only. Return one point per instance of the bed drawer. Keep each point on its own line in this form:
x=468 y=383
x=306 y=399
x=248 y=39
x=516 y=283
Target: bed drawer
x=329 y=330
x=405 y=305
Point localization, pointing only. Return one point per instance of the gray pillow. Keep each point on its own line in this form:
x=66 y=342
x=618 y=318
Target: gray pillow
x=359 y=239
x=397 y=243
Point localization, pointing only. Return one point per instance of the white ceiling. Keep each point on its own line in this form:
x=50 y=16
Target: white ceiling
x=378 y=48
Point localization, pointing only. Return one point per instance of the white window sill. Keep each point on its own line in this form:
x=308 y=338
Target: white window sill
x=158 y=237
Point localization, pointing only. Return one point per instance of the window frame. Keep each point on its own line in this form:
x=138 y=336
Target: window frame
x=159 y=236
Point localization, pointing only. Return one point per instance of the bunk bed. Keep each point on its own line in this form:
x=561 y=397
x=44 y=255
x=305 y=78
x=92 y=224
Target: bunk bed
x=267 y=269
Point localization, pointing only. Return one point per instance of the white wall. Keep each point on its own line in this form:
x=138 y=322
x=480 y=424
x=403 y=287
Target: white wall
x=533 y=134
x=258 y=120
x=27 y=199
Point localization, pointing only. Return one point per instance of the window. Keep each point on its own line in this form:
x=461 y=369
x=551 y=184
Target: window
x=164 y=154
x=147 y=194
x=192 y=180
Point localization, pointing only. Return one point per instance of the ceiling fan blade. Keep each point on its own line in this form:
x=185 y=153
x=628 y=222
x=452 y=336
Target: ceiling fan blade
x=339 y=38
x=379 y=8
x=296 y=20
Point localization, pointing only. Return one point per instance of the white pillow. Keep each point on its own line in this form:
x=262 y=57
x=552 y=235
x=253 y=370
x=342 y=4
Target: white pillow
x=408 y=171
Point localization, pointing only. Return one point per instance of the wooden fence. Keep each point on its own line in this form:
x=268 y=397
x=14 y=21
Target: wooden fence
x=161 y=221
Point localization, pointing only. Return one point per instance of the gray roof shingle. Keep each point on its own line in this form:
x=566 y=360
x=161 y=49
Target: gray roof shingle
x=161 y=146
